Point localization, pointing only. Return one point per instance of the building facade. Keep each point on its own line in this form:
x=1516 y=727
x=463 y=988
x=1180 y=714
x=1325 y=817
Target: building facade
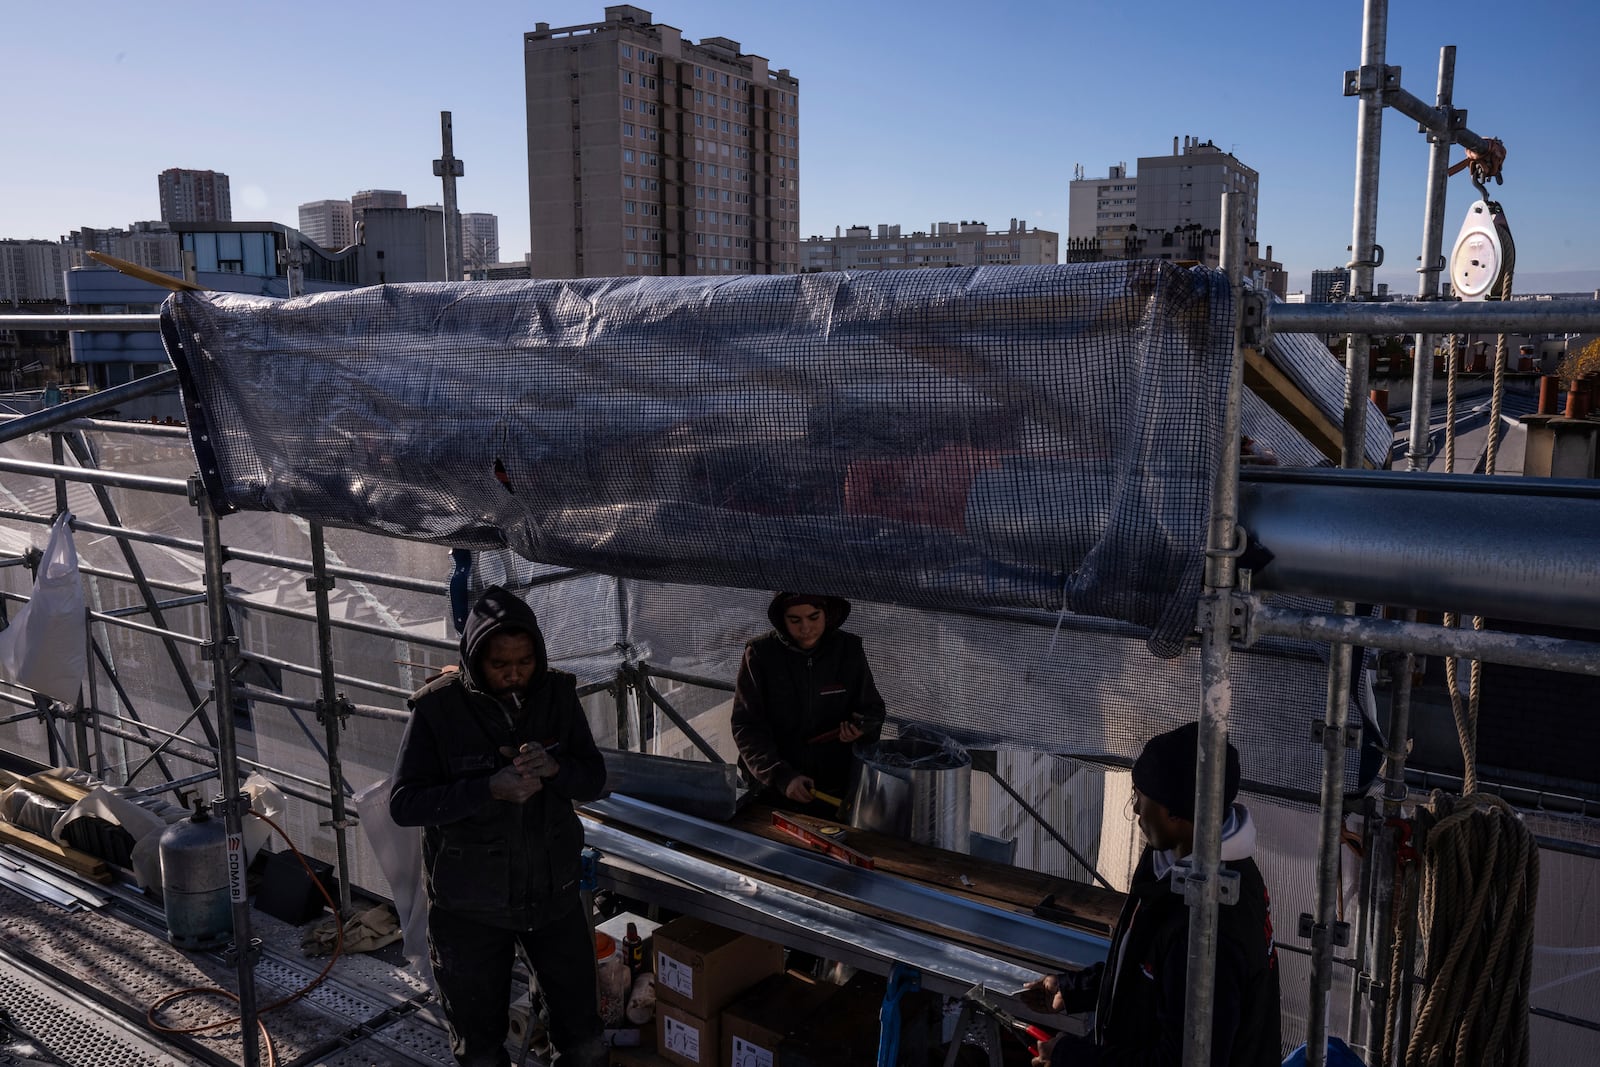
x=388 y=199
x=944 y=244
x=1328 y=286
x=1171 y=209
x=651 y=154
x=330 y=223
x=31 y=271
x=480 y=240
x=194 y=196
x=149 y=244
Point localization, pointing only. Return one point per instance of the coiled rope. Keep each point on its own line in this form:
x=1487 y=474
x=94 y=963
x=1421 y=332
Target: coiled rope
x=1480 y=880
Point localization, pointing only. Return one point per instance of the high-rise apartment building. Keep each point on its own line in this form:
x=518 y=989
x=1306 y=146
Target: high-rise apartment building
x=31 y=270
x=650 y=154
x=194 y=196
x=944 y=244
x=480 y=240
x=1171 y=209
x=388 y=199
x=330 y=223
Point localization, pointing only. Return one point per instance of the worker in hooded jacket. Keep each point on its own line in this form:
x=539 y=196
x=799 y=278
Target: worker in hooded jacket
x=804 y=695
x=494 y=757
x=1138 y=993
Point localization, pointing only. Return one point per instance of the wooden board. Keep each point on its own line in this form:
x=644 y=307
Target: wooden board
x=89 y=866
x=1092 y=908
x=1286 y=398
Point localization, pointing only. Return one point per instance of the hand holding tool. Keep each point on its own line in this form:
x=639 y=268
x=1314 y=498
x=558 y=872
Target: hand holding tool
x=979 y=996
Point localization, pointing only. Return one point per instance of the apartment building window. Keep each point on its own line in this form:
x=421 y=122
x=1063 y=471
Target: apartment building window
x=627 y=103
x=627 y=181
x=627 y=155
x=632 y=259
x=699 y=72
x=629 y=232
x=627 y=129
x=630 y=207
x=627 y=77
x=627 y=51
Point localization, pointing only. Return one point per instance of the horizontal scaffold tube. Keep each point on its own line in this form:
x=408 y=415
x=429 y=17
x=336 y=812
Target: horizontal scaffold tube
x=1504 y=548
x=1518 y=650
x=1438 y=317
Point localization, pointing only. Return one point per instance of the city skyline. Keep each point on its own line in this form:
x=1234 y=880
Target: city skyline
x=910 y=113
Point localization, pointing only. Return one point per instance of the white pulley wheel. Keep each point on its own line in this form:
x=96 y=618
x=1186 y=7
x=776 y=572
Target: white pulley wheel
x=1477 y=260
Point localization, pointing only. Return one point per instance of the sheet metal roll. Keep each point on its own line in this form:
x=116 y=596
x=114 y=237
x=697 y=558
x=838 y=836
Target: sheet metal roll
x=917 y=786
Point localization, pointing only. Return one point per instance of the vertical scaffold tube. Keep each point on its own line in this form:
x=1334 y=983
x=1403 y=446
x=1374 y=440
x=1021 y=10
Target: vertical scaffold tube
x=221 y=651
x=330 y=711
x=1217 y=698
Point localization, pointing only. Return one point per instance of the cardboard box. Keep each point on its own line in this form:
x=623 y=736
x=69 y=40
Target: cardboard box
x=754 y=1026
x=685 y=1038
x=701 y=967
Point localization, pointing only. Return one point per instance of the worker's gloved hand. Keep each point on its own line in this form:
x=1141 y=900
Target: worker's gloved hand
x=799 y=789
x=849 y=730
x=1063 y=1050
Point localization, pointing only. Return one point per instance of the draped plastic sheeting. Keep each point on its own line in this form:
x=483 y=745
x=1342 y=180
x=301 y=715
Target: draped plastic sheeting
x=1028 y=437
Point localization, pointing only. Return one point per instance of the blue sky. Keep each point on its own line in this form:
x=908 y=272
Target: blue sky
x=910 y=113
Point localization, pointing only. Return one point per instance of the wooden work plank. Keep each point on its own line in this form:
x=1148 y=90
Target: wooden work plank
x=48 y=785
x=1286 y=398
x=89 y=866
x=1091 y=908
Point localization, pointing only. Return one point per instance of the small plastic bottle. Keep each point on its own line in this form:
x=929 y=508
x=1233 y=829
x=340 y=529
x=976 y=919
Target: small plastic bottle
x=633 y=950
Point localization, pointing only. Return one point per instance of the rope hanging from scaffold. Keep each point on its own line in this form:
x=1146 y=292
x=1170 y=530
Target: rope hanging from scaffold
x=1480 y=865
x=1479 y=884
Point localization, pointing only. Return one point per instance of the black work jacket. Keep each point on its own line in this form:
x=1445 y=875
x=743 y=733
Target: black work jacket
x=504 y=864
x=786 y=695
x=1140 y=1012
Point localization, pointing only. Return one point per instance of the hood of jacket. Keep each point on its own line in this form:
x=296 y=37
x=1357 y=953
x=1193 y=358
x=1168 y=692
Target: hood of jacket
x=498 y=610
x=1238 y=841
x=835 y=609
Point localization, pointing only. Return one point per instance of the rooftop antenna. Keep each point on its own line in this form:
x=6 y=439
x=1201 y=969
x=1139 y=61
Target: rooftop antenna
x=449 y=168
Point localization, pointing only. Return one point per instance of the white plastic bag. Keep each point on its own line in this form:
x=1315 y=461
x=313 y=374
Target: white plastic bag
x=43 y=648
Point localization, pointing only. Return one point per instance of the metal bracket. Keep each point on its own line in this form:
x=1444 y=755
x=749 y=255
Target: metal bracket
x=1448 y=121
x=319 y=585
x=1252 y=319
x=1241 y=616
x=1375 y=262
x=1190 y=884
x=1367 y=984
x=346 y=823
x=1370 y=79
x=226 y=650
x=1330 y=741
x=252 y=952
x=1321 y=935
x=341 y=707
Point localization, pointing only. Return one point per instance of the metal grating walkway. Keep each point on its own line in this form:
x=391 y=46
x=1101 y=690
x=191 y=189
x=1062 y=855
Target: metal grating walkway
x=77 y=980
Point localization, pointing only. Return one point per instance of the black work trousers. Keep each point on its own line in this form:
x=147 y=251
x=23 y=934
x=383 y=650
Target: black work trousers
x=472 y=965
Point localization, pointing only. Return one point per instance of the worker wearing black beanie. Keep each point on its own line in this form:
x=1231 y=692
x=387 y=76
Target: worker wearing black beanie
x=1138 y=994
x=1165 y=771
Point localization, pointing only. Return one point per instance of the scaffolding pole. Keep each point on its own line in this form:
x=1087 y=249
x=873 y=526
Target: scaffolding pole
x=222 y=651
x=1223 y=544
x=330 y=711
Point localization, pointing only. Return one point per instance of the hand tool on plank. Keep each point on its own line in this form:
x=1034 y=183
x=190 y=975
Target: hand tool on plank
x=820 y=842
